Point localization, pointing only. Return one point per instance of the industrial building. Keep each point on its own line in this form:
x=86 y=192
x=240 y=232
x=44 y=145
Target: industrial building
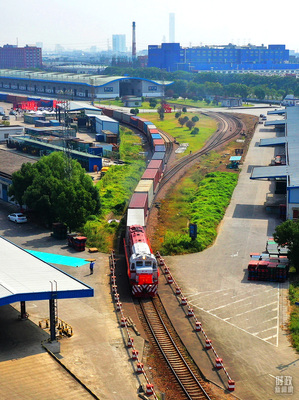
x=78 y=86
x=284 y=171
x=173 y=57
x=20 y=57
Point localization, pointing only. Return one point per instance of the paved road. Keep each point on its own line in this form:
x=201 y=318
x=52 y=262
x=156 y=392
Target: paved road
x=244 y=318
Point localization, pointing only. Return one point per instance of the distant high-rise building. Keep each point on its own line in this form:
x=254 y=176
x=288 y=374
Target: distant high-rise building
x=171 y=28
x=20 y=57
x=58 y=48
x=119 y=43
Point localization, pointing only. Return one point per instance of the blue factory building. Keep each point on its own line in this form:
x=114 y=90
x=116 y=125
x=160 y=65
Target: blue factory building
x=173 y=57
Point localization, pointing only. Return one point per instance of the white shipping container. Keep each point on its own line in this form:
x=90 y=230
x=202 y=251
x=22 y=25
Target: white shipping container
x=135 y=217
x=146 y=186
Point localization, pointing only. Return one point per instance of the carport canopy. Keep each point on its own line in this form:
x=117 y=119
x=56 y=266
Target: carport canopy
x=24 y=277
x=279 y=171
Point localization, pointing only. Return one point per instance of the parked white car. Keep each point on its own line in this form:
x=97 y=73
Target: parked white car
x=17 y=217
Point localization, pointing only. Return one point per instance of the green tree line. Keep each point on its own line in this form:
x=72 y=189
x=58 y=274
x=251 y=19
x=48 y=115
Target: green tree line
x=198 y=85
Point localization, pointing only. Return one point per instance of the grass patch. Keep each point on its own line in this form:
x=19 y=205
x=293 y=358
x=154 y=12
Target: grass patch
x=115 y=189
x=294 y=316
x=197 y=199
x=206 y=125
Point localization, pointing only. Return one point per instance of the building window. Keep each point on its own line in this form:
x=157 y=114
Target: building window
x=108 y=89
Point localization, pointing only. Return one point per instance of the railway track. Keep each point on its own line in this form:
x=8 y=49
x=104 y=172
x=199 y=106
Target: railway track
x=187 y=376
x=229 y=127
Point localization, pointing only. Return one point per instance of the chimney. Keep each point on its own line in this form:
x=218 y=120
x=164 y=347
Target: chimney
x=133 y=41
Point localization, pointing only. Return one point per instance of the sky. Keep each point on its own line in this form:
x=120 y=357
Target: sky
x=80 y=24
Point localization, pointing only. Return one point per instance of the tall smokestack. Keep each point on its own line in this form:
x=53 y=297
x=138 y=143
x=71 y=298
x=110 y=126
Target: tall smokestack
x=133 y=41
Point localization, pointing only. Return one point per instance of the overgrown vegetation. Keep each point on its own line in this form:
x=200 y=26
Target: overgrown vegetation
x=202 y=201
x=294 y=317
x=115 y=189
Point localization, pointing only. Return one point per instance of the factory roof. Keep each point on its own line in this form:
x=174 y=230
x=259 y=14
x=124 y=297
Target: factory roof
x=82 y=79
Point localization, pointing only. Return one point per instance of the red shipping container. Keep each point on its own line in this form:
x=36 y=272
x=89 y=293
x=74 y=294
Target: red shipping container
x=152 y=174
x=156 y=164
x=139 y=200
x=108 y=112
x=153 y=131
x=141 y=123
x=158 y=142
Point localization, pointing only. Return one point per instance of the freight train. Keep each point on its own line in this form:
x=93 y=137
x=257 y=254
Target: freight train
x=142 y=265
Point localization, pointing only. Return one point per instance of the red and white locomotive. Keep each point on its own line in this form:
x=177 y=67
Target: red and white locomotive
x=142 y=265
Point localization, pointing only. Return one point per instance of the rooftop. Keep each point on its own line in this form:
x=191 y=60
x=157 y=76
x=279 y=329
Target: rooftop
x=24 y=277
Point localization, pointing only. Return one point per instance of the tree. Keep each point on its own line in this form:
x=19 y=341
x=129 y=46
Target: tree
x=184 y=109
x=160 y=111
x=177 y=114
x=56 y=189
x=195 y=118
x=134 y=111
x=190 y=124
x=183 y=120
x=259 y=92
x=287 y=234
x=153 y=103
x=195 y=131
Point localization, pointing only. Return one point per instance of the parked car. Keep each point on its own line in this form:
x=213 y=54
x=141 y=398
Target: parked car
x=12 y=112
x=17 y=217
x=5 y=118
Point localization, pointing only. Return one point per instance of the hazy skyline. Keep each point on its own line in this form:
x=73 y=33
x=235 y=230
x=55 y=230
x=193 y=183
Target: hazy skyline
x=79 y=25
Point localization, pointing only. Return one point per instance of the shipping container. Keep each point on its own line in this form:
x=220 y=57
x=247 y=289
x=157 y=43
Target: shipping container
x=153 y=131
x=108 y=112
x=39 y=123
x=135 y=217
x=152 y=174
x=158 y=142
x=146 y=186
x=140 y=201
x=99 y=137
x=54 y=122
x=141 y=122
x=156 y=164
x=159 y=148
x=117 y=115
x=134 y=121
x=156 y=136
x=150 y=126
x=127 y=117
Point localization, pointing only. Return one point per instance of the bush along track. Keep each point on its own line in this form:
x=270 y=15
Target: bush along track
x=203 y=205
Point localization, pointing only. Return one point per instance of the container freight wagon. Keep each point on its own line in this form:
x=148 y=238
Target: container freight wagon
x=142 y=265
x=152 y=175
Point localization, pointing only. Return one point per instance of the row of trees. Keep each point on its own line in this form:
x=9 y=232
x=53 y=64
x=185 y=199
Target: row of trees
x=197 y=85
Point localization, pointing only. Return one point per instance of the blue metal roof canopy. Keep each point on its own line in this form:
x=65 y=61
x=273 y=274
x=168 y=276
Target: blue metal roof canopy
x=24 y=277
x=279 y=122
